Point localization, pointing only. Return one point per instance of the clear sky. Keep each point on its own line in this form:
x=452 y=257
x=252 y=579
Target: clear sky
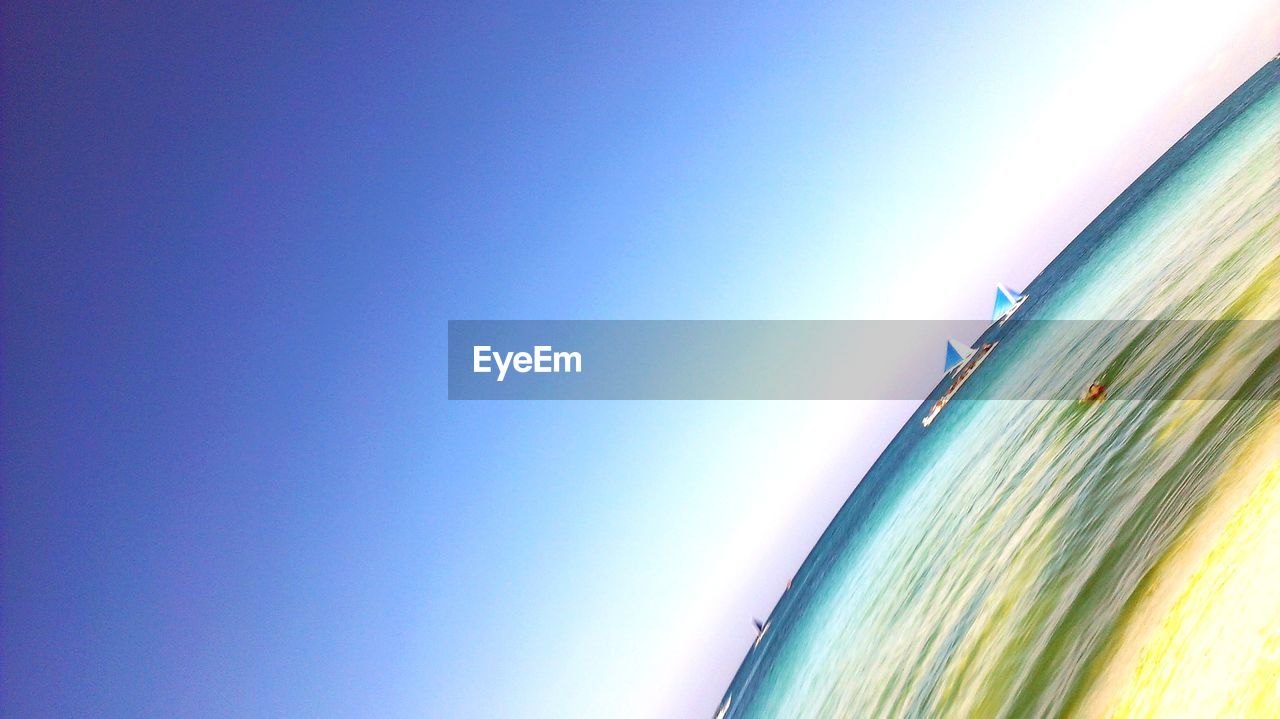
x=232 y=238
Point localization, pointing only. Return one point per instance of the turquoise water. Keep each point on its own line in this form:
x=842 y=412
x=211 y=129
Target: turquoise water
x=1012 y=559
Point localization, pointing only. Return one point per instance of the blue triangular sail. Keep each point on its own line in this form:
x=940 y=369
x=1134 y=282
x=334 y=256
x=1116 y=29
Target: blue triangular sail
x=1006 y=301
x=957 y=354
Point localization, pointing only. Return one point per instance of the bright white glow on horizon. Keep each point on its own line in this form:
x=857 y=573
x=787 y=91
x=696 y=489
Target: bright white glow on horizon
x=1155 y=70
x=1128 y=93
x=709 y=508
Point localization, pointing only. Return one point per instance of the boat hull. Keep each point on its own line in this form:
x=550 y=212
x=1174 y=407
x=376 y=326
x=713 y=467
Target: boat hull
x=962 y=376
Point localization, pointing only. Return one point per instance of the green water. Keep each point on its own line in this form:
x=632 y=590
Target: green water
x=989 y=565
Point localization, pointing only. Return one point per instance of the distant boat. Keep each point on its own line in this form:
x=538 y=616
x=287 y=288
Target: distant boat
x=969 y=360
x=1007 y=302
x=760 y=630
x=957 y=354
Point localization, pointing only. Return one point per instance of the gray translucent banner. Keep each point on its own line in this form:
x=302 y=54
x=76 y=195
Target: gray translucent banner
x=856 y=359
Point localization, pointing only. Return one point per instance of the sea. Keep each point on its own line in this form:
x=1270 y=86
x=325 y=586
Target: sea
x=1045 y=557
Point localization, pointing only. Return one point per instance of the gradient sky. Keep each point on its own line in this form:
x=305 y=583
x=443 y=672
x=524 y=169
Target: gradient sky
x=232 y=482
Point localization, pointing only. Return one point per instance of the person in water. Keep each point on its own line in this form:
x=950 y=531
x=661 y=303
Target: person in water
x=1096 y=391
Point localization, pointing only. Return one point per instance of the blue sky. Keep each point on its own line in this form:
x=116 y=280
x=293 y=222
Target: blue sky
x=232 y=482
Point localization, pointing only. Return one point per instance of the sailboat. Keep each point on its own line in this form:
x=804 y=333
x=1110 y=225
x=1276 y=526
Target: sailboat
x=1007 y=302
x=963 y=360
x=957 y=354
x=761 y=628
